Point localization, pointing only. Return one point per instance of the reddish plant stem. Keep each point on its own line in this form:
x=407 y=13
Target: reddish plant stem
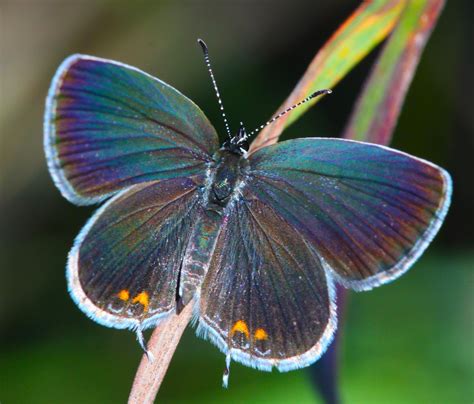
x=162 y=345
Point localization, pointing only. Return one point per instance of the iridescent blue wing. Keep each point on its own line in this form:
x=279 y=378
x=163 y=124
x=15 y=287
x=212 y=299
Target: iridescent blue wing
x=108 y=126
x=123 y=269
x=266 y=300
x=367 y=210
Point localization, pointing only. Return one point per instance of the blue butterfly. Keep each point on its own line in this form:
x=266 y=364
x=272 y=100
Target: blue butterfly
x=254 y=241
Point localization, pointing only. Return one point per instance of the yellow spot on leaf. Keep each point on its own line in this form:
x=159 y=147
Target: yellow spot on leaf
x=123 y=295
x=344 y=51
x=260 y=334
x=240 y=326
x=141 y=298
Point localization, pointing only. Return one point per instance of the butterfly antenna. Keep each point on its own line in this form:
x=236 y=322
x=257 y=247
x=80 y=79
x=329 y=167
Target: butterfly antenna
x=219 y=100
x=310 y=97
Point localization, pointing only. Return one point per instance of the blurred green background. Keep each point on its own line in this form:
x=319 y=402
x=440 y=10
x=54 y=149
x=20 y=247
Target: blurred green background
x=408 y=342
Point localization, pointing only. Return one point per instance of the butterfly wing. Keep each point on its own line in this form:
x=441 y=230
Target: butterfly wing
x=266 y=300
x=368 y=211
x=123 y=269
x=108 y=126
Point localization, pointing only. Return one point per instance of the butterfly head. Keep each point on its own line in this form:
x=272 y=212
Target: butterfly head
x=238 y=143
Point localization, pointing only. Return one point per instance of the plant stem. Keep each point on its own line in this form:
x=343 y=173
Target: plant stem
x=162 y=344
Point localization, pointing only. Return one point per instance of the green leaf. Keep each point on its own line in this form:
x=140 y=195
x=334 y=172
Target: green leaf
x=354 y=39
x=376 y=112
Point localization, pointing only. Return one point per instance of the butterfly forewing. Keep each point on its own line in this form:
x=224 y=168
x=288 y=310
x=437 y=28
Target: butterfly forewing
x=266 y=299
x=109 y=125
x=123 y=269
x=368 y=211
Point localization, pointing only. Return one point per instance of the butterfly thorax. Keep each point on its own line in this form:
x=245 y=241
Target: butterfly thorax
x=226 y=174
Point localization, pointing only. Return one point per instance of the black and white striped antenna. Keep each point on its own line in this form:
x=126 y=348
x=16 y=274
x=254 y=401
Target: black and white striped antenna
x=310 y=97
x=219 y=100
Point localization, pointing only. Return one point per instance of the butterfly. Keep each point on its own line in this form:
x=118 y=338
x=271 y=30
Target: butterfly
x=255 y=241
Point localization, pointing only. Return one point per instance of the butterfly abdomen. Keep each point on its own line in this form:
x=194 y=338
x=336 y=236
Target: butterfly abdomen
x=198 y=253
x=225 y=177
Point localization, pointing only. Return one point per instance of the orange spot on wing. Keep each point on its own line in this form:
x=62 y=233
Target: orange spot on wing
x=260 y=334
x=142 y=298
x=123 y=295
x=240 y=326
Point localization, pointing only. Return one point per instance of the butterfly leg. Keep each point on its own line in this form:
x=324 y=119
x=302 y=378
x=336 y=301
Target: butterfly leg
x=141 y=342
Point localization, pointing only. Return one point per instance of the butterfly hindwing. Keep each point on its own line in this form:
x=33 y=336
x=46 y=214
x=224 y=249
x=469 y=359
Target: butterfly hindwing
x=266 y=299
x=368 y=211
x=123 y=269
x=108 y=126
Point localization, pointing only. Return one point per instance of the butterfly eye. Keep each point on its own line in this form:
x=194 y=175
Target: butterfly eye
x=244 y=145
